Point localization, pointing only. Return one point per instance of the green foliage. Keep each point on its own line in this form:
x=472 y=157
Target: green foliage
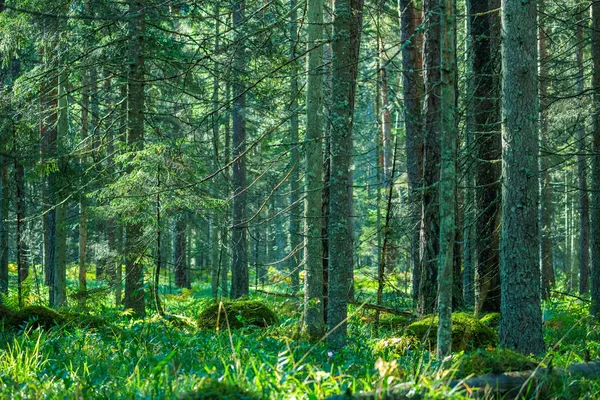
x=483 y=361
x=467 y=332
x=237 y=314
x=36 y=316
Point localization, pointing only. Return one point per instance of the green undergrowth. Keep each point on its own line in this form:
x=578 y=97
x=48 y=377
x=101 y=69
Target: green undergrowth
x=170 y=357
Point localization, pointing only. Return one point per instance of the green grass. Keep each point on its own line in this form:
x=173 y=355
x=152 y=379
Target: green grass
x=160 y=359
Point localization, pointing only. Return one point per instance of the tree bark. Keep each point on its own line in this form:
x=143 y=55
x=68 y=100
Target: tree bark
x=595 y=206
x=313 y=145
x=430 y=217
x=447 y=180
x=521 y=322
x=545 y=182
x=134 y=269
x=347 y=26
x=22 y=263
x=239 y=263
x=412 y=64
x=4 y=227
x=485 y=53
x=295 y=211
x=584 y=201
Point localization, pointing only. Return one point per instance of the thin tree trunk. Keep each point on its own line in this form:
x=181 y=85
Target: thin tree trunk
x=412 y=64
x=4 y=227
x=60 y=274
x=546 y=185
x=239 y=263
x=430 y=220
x=584 y=202
x=134 y=269
x=22 y=263
x=313 y=145
x=521 y=322
x=447 y=180
x=181 y=266
x=295 y=236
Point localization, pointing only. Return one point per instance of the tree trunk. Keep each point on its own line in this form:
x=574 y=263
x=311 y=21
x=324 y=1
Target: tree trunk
x=181 y=266
x=135 y=248
x=22 y=263
x=545 y=182
x=313 y=145
x=447 y=180
x=347 y=25
x=412 y=63
x=295 y=235
x=430 y=217
x=584 y=202
x=239 y=262
x=60 y=273
x=4 y=229
x=595 y=206
x=521 y=322
x=485 y=52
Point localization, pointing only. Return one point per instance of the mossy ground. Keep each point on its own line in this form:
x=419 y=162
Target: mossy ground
x=237 y=314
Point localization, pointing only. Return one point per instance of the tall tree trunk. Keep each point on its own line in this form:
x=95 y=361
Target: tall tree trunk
x=485 y=42
x=545 y=183
x=295 y=210
x=22 y=263
x=447 y=180
x=135 y=248
x=347 y=25
x=595 y=203
x=521 y=322
x=85 y=104
x=239 y=262
x=4 y=227
x=584 y=202
x=313 y=145
x=60 y=274
x=430 y=219
x=214 y=218
x=412 y=64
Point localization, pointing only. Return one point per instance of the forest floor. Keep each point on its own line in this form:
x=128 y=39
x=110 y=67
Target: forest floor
x=120 y=357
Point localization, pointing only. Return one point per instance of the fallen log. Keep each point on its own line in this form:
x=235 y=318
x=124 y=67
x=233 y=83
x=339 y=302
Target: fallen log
x=536 y=383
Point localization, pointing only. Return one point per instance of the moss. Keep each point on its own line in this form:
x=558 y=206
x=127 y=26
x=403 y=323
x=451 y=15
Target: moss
x=467 y=332
x=491 y=320
x=484 y=361
x=398 y=346
x=238 y=313
x=36 y=316
x=214 y=390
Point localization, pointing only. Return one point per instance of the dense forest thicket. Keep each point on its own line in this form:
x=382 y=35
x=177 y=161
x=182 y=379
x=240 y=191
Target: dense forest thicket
x=299 y=199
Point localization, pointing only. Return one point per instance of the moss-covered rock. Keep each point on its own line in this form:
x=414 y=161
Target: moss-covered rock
x=483 y=361
x=491 y=320
x=214 y=390
x=398 y=346
x=5 y=312
x=237 y=314
x=467 y=332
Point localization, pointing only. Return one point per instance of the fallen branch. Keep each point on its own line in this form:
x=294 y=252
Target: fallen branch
x=384 y=309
